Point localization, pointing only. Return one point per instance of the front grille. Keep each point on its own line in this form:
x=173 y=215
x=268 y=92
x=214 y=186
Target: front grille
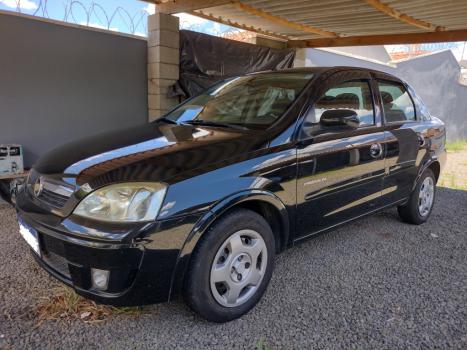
x=58 y=263
x=53 y=199
x=53 y=192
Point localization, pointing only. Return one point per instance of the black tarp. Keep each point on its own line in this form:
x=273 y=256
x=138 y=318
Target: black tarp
x=206 y=59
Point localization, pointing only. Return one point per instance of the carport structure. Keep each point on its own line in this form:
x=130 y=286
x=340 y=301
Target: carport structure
x=324 y=23
x=300 y=24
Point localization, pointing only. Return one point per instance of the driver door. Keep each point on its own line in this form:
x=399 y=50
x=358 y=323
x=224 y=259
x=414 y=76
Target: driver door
x=340 y=168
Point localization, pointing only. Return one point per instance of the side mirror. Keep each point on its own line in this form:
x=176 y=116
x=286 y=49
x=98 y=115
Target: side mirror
x=340 y=117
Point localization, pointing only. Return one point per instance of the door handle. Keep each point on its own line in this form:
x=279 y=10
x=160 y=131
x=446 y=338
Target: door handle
x=376 y=150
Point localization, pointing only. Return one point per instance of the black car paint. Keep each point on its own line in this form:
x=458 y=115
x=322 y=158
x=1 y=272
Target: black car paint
x=210 y=170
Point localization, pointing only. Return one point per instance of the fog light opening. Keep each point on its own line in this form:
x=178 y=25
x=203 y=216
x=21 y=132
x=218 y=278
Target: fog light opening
x=100 y=278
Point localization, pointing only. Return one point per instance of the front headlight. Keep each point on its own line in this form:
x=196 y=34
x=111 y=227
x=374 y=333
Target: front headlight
x=125 y=202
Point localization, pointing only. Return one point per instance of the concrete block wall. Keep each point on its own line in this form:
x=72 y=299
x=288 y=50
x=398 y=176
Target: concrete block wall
x=163 y=62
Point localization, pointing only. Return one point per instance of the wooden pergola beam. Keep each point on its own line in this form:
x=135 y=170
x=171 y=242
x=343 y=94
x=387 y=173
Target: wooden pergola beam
x=177 y=6
x=281 y=21
x=389 y=39
x=378 y=5
x=227 y=22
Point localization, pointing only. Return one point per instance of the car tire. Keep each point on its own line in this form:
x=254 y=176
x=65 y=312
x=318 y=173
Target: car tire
x=418 y=208
x=231 y=266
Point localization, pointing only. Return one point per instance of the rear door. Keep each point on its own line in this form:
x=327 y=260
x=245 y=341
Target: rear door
x=340 y=169
x=403 y=137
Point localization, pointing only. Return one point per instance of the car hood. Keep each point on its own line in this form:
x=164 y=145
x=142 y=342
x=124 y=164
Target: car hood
x=154 y=151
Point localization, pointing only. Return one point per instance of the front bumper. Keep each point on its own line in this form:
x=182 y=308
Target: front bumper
x=141 y=263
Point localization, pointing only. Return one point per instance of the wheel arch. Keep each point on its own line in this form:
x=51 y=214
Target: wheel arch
x=262 y=202
x=431 y=163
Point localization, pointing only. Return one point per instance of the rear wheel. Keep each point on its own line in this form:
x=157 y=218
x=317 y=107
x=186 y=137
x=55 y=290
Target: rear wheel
x=420 y=204
x=231 y=267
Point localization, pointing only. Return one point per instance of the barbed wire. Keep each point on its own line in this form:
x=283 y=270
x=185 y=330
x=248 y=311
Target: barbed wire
x=95 y=15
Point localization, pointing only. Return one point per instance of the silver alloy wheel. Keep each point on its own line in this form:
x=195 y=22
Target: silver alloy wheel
x=426 y=196
x=238 y=268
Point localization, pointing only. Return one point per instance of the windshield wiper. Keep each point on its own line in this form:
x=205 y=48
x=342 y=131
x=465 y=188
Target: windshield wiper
x=214 y=123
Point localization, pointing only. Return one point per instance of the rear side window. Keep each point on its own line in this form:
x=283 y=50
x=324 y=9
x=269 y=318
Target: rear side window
x=397 y=103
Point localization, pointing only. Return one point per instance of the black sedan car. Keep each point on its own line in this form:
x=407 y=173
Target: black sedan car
x=199 y=202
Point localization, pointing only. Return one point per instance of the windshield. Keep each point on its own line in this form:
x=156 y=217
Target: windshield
x=253 y=101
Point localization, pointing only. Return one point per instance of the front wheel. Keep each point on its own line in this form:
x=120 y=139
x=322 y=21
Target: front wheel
x=420 y=204
x=231 y=267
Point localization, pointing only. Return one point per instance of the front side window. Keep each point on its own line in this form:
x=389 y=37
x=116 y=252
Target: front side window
x=253 y=101
x=397 y=104
x=351 y=96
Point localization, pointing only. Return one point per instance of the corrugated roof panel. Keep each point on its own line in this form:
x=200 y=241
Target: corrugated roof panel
x=345 y=18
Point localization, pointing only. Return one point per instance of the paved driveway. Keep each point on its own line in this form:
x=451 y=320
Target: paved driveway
x=373 y=284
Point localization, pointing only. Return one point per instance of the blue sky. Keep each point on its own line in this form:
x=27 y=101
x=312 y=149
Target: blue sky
x=129 y=16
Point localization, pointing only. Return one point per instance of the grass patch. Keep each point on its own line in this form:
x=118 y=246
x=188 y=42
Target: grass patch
x=450 y=180
x=64 y=304
x=456 y=146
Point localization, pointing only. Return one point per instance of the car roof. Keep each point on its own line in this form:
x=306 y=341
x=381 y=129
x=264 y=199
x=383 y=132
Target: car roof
x=332 y=69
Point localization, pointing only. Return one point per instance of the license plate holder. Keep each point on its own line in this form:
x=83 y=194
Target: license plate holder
x=30 y=235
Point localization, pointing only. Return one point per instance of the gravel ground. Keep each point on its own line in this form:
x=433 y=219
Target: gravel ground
x=374 y=284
